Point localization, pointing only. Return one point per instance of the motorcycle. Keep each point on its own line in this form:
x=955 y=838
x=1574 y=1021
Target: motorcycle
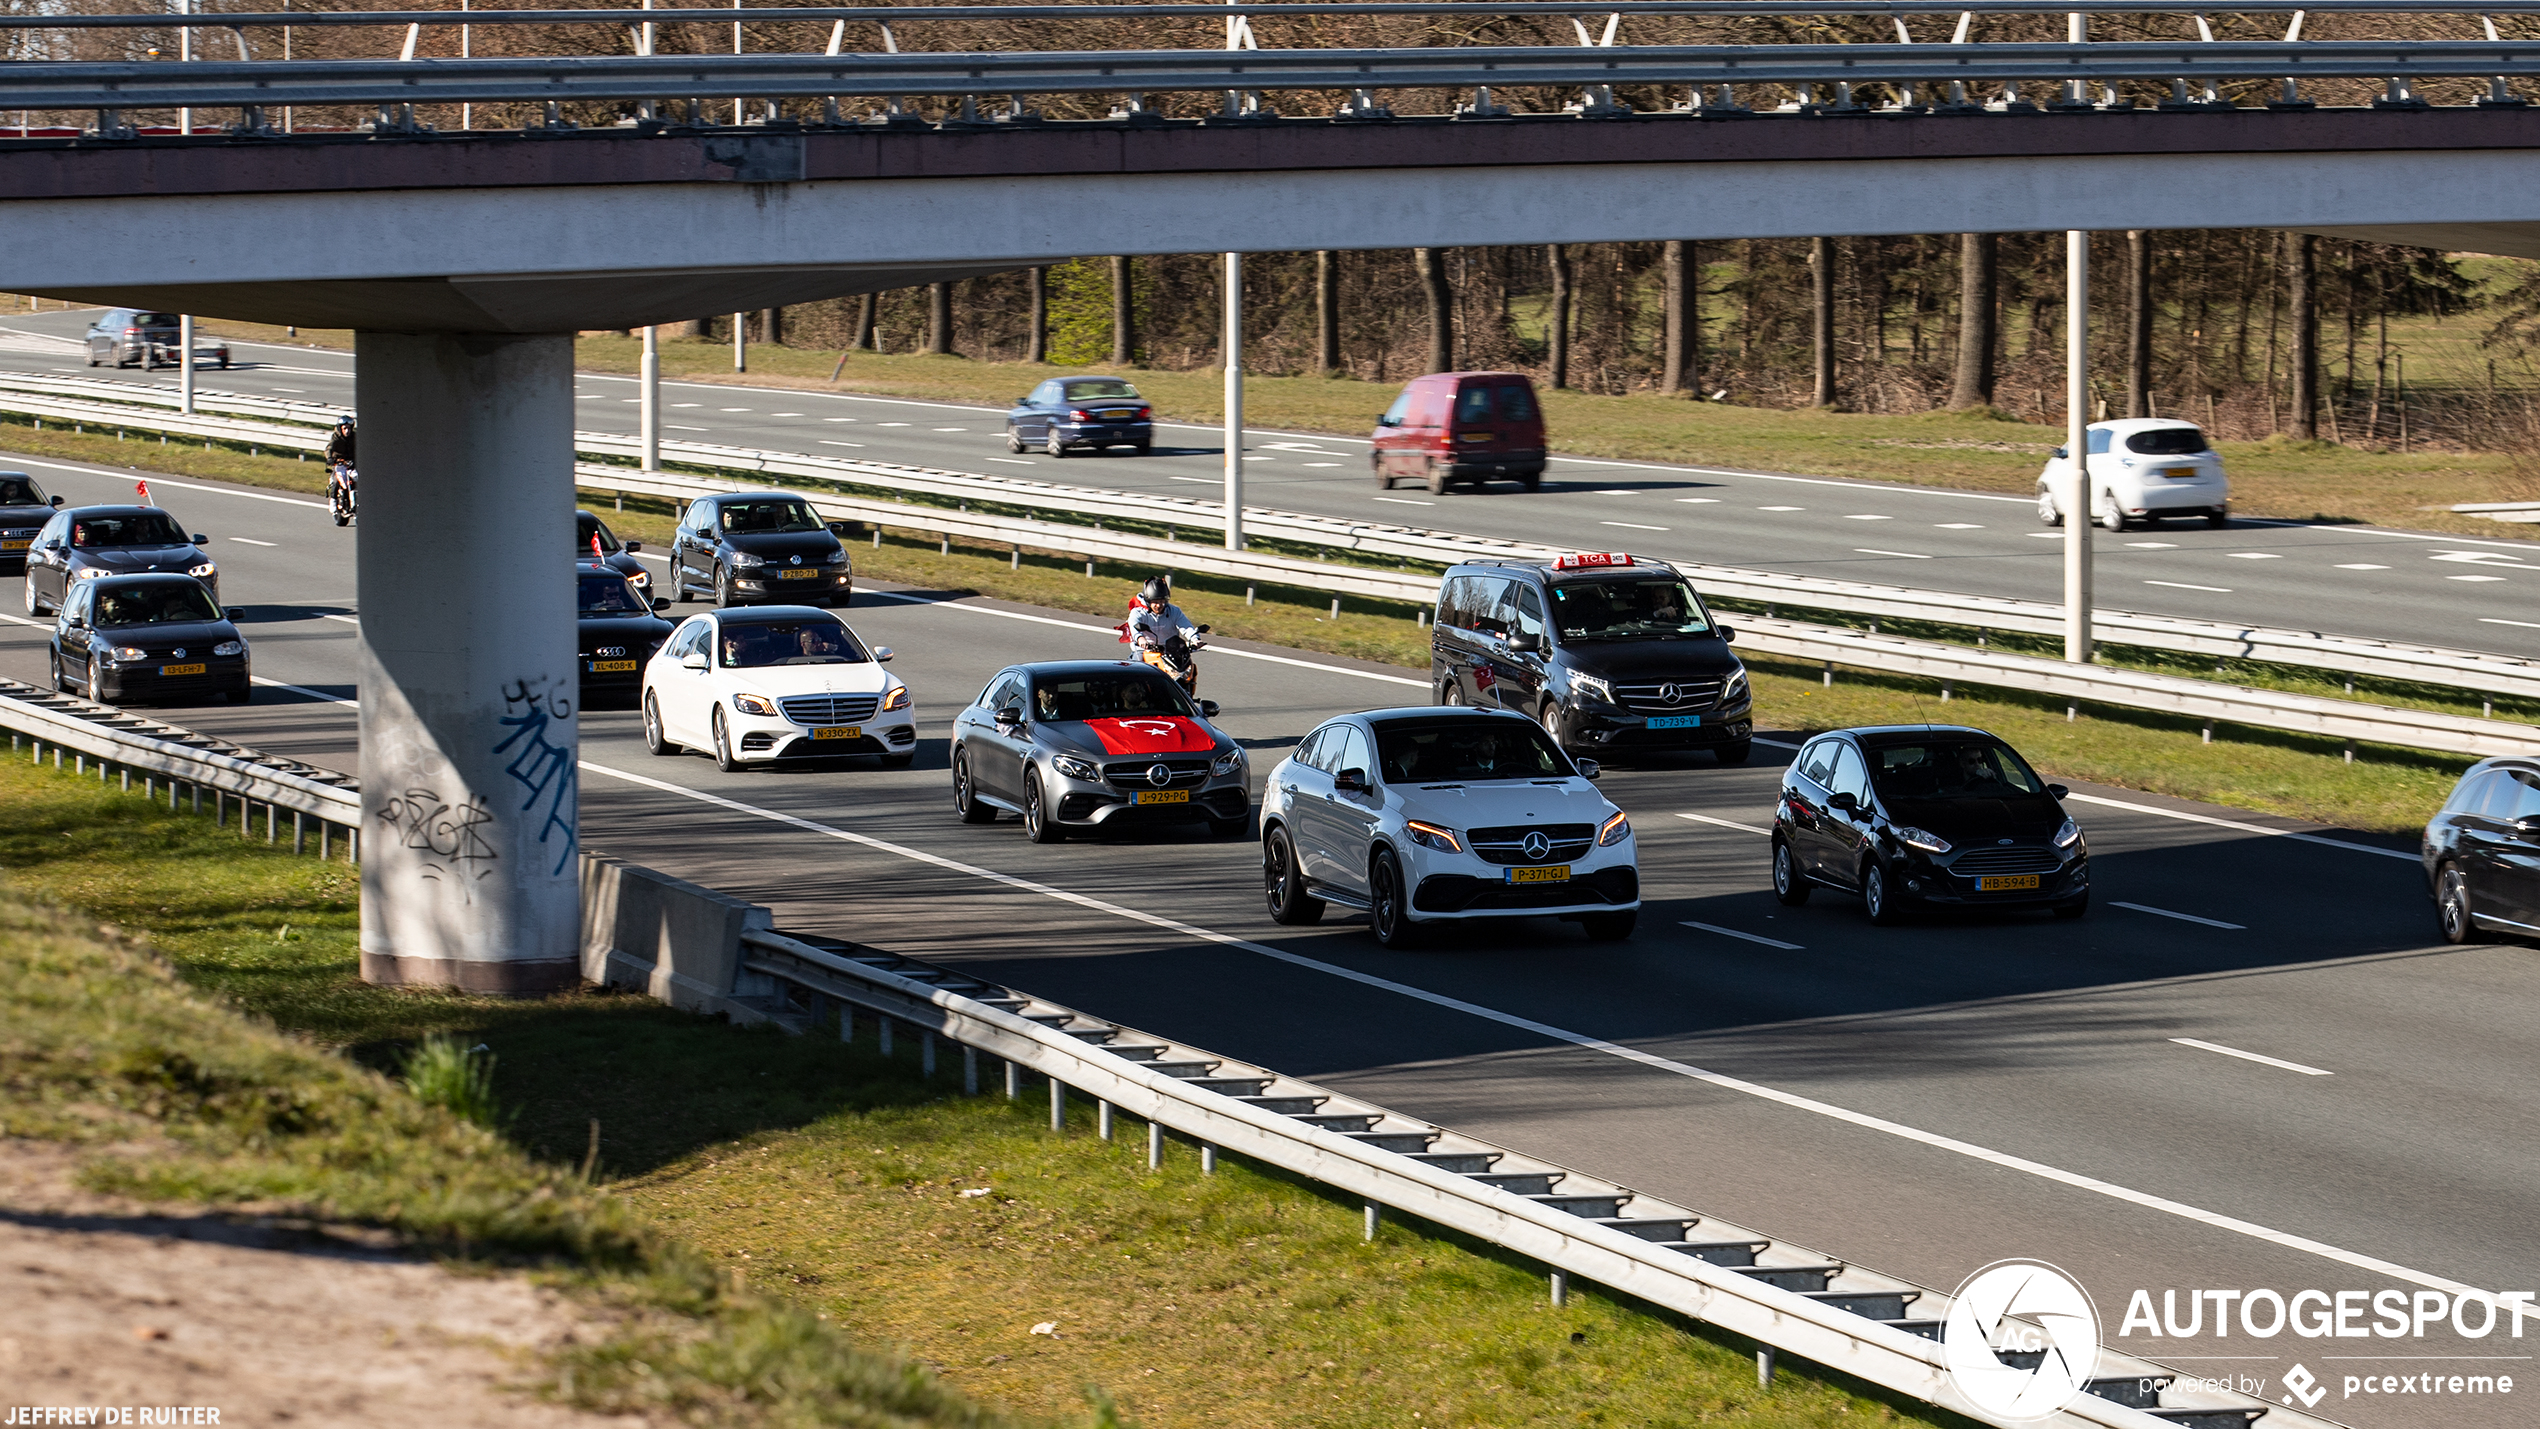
x=343 y=492
x=1178 y=658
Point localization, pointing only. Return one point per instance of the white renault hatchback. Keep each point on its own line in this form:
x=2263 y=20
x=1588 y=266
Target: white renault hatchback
x=1432 y=815
x=2142 y=469
x=755 y=684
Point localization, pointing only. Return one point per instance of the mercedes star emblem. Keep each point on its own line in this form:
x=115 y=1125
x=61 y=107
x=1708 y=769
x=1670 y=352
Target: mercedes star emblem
x=1671 y=694
x=1159 y=776
x=1537 y=846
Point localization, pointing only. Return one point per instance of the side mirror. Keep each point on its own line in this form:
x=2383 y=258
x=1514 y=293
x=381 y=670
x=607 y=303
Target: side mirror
x=1203 y=630
x=1847 y=802
x=236 y=612
x=2057 y=791
x=1589 y=768
x=56 y=501
x=1208 y=709
x=2528 y=826
x=2061 y=453
x=693 y=660
x=661 y=602
x=1008 y=716
x=633 y=546
x=1523 y=643
x=846 y=530
x=1387 y=419
x=1728 y=635
x=1350 y=781
x=882 y=654
x=73 y=622
x=201 y=540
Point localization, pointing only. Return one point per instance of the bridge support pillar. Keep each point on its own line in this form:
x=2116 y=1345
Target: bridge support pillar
x=468 y=685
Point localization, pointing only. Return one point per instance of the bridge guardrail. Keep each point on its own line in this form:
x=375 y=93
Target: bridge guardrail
x=2485 y=673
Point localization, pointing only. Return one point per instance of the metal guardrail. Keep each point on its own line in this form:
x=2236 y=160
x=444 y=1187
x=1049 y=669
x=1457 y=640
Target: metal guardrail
x=1785 y=1297
x=2207 y=699
x=123 y=746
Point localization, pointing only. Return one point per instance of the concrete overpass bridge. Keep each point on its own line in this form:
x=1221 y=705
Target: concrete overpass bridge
x=465 y=261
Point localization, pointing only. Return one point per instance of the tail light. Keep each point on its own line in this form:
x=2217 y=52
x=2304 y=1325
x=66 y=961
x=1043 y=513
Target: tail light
x=1081 y=415
x=1145 y=412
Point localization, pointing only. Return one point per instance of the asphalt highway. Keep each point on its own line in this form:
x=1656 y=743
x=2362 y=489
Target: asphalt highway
x=2462 y=593
x=1923 y=1099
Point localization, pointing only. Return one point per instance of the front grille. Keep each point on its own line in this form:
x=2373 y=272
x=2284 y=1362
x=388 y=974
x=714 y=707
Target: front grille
x=1693 y=695
x=1459 y=893
x=1187 y=772
x=1506 y=845
x=829 y=709
x=1978 y=861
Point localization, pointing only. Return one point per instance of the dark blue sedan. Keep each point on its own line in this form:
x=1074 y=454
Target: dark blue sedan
x=1075 y=412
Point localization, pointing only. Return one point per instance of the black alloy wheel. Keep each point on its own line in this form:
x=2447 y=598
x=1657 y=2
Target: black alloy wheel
x=1283 y=883
x=655 y=742
x=966 y=801
x=1388 y=903
x=1038 y=826
x=2452 y=907
x=1610 y=927
x=96 y=690
x=723 y=759
x=722 y=587
x=1876 y=896
x=1735 y=752
x=1789 y=884
x=1552 y=725
x=61 y=681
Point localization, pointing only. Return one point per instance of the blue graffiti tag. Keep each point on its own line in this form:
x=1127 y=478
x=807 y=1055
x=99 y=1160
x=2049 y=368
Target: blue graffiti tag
x=544 y=768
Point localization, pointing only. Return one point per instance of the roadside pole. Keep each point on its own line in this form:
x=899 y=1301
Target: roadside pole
x=2076 y=497
x=740 y=342
x=185 y=363
x=648 y=386
x=1234 y=357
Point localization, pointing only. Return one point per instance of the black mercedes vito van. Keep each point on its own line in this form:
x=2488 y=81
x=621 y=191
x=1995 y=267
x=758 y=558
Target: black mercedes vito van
x=1608 y=651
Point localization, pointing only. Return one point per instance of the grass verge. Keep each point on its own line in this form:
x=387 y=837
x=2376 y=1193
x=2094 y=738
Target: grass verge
x=763 y=1204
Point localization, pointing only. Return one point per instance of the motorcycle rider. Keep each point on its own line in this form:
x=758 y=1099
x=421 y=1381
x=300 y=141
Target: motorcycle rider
x=339 y=443
x=1156 y=626
x=340 y=466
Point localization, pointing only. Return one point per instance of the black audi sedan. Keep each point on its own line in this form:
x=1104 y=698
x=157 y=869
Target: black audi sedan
x=81 y=542
x=148 y=637
x=748 y=548
x=1926 y=814
x=2482 y=852
x=24 y=508
x=1069 y=412
x=594 y=541
x=615 y=632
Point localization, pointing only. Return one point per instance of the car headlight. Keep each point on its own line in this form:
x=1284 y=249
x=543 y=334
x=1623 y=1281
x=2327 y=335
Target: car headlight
x=1591 y=685
x=1923 y=839
x=1433 y=836
x=897 y=699
x=754 y=704
x=86 y=573
x=1617 y=829
x=641 y=580
x=230 y=647
x=131 y=652
x=1075 y=768
x=1734 y=690
x=837 y=557
x=1227 y=763
x=201 y=571
x=743 y=560
x=2068 y=835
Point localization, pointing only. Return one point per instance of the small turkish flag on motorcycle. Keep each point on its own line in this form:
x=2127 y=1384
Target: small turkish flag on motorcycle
x=143 y=487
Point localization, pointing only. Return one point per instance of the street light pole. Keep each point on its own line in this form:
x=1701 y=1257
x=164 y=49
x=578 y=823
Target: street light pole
x=2076 y=498
x=1234 y=357
x=184 y=52
x=649 y=386
x=185 y=364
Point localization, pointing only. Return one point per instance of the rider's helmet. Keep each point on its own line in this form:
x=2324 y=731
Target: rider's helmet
x=1157 y=593
x=343 y=422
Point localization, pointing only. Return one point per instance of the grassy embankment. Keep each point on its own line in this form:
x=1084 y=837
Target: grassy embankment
x=777 y=1222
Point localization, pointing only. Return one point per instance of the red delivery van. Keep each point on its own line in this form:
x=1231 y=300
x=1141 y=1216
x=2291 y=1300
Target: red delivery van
x=1461 y=426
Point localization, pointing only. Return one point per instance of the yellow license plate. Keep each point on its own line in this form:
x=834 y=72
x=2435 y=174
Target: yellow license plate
x=15 y=545
x=1558 y=873
x=611 y=667
x=180 y=669
x=2006 y=882
x=1161 y=796
x=839 y=731
x=1114 y=416
x=1476 y=436
x=2179 y=471
x=798 y=575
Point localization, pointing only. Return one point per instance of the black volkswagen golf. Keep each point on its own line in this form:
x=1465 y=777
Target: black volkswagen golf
x=750 y=548
x=149 y=637
x=2482 y=852
x=1926 y=814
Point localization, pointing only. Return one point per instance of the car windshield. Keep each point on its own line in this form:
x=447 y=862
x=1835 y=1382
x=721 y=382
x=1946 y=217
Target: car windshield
x=790 y=642
x=1467 y=751
x=155 y=603
x=588 y=529
x=1618 y=610
x=1096 y=388
x=2167 y=441
x=154 y=320
x=775 y=515
x=138 y=528
x=1108 y=694
x=20 y=491
x=610 y=595
x=1952 y=769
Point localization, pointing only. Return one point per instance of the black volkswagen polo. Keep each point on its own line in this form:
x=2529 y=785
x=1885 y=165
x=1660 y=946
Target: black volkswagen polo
x=1932 y=814
x=753 y=547
x=24 y=508
x=147 y=637
x=615 y=632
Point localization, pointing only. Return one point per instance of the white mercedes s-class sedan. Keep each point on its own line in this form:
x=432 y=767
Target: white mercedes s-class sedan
x=757 y=684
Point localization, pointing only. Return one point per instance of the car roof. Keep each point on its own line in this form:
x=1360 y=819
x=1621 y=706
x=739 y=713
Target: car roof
x=1080 y=667
x=1431 y=713
x=723 y=497
x=142 y=578
x=2142 y=424
x=108 y=510
x=1899 y=733
x=771 y=614
x=1641 y=565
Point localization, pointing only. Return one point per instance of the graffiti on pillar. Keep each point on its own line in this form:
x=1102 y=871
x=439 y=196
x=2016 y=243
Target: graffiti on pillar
x=532 y=709
x=450 y=837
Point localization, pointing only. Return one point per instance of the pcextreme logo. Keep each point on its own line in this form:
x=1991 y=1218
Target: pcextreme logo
x=2021 y=1339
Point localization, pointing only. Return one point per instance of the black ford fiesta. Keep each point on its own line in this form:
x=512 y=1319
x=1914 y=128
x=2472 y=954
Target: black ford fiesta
x=1926 y=814
x=147 y=637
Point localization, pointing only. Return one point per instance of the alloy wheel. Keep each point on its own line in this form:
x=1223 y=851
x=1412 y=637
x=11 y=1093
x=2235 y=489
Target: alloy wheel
x=2452 y=907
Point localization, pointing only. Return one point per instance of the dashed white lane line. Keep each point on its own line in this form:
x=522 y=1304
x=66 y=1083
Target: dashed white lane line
x=1699 y=500
x=2362 y=566
x=2182 y=585
x=2255 y=556
x=2151 y=545
x=1781 y=508
x=1874 y=551
x=1956 y=526
x=2238 y=827
x=2182 y=917
x=2473 y=578
x=1615 y=491
x=1008 y=460
x=674 y=426
x=1749 y=937
x=2204 y=1046
x=1869 y=518
x=251 y=541
x=1322 y=463
x=1109 y=630
x=2494 y=620
x=1405 y=501
x=1203 y=480
x=827 y=442
x=1724 y=823
x=2047 y=535
x=1631 y=525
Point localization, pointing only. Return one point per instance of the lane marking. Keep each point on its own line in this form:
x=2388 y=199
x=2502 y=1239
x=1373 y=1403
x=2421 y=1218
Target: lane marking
x=784 y=414
x=1781 y=508
x=1008 y=460
x=2492 y=620
x=2473 y=578
x=319 y=695
x=2363 y=566
x=1748 y=937
x=2048 y=535
x=1202 y=480
x=2203 y=1046
x=2182 y=917
x=1869 y=518
x=2182 y=585
x=826 y=442
x=674 y=426
x=1956 y=526
x=1108 y=630
x=1725 y=823
x=2153 y=545
x=732 y=409
x=1829 y=1110
x=250 y=541
x=1874 y=551
x=1405 y=501
x=2255 y=556
x=1699 y=500
x=1631 y=525
x=940 y=429
x=1616 y=491
x=1322 y=463
x=2238 y=827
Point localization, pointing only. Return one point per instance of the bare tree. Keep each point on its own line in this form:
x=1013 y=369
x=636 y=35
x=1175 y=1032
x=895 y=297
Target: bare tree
x=939 y=319
x=1327 y=313
x=2302 y=301
x=1432 y=266
x=1557 y=330
x=771 y=326
x=1124 y=313
x=1979 y=320
x=865 y=339
x=1682 y=339
x=1821 y=319
x=1036 y=339
x=2138 y=323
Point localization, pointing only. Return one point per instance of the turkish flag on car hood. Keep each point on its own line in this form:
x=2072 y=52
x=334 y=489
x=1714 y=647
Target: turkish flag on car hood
x=1152 y=734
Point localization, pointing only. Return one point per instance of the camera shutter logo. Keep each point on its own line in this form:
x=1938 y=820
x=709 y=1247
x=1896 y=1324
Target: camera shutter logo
x=2021 y=1340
